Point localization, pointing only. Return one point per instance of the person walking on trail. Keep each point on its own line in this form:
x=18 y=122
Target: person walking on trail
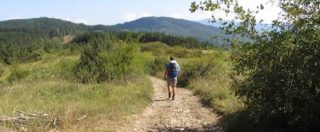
x=171 y=74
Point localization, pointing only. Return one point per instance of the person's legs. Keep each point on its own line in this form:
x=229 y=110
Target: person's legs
x=168 y=84
x=173 y=91
x=174 y=83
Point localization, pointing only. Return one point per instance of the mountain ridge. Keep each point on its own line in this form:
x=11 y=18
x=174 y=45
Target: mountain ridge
x=218 y=23
x=172 y=26
x=167 y=25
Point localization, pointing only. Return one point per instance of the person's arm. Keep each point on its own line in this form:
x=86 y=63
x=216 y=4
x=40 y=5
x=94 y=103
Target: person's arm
x=165 y=73
x=179 y=72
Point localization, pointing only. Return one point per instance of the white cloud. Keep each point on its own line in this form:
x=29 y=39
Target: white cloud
x=145 y=14
x=84 y=21
x=179 y=16
x=66 y=19
x=16 y=17
x=129 y=16
x=74 y=20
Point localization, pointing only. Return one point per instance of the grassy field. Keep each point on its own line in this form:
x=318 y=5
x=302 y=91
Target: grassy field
x=47 y=86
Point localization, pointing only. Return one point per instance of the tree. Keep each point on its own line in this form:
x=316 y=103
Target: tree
x=277 y=74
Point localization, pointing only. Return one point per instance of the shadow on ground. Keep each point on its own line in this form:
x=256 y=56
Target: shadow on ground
x=159 y=100
x=204 y=128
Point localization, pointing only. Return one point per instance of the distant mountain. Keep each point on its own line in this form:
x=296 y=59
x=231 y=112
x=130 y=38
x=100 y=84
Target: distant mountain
x=48 y=26
x=51 y=27
x=209 y=23
x=27 y=31
x=172 y=26
x=259 y=26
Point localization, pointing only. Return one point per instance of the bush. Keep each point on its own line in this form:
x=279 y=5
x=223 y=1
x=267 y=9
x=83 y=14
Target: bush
x=17 y=74
x=89 y=65
x=183 y=52
x=156 y=65
x=196 y=69
x=2 y=69
x=155 y=47
x=279 y=81
x=118 y=62
x=64 y=68
x=105 y=61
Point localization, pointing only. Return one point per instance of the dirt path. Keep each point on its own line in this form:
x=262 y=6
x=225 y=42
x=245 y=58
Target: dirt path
x=185 y=113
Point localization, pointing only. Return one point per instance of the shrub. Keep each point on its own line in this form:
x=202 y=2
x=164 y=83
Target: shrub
x=279 y=81
x=17 y=74
x=155 y=47
x=65 y=67
x=89 y=66
x=156 y=65
x=196 y=69
x=2 y=69
x=118 y=62
x=183 y=52
x=105 y=61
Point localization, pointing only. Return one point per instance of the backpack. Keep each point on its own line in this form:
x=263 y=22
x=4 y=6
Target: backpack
x=173 y=72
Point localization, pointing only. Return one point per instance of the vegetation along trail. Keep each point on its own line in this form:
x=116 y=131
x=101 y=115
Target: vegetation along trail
x=185 y=113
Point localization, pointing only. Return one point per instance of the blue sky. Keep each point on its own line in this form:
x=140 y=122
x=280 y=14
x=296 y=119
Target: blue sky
x=106 y=12
x=95 y=11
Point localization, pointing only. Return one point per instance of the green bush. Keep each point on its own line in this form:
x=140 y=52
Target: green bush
x=156 y=65
x=2 y=69
x=64 y=69
x=196 y=69
x=118 y=63
x=17 y=74
x=155 y=47
x=183 y=52
x=105 y=61
x=89 y=66
x=279 y=80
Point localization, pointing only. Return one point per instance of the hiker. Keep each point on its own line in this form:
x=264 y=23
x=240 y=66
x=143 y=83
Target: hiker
x=171 y=74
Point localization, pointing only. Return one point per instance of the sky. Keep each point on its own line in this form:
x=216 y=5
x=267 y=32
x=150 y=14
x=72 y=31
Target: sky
x=109 y=12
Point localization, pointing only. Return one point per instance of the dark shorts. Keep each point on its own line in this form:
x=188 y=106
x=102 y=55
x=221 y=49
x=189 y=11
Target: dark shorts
x=172 y=81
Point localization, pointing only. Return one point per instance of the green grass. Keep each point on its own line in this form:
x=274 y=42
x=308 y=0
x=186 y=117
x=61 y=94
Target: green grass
x=71 y=101
x=47 y=86
x=208 y=76
x=216 y=92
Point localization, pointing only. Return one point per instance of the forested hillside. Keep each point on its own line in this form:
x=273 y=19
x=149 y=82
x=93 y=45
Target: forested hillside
x=178 y=27
x=58 y=28
x=46 y=26
x=20 y=40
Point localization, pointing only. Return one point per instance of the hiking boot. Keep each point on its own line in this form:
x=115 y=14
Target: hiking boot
x=173 y=97
x=169 y=95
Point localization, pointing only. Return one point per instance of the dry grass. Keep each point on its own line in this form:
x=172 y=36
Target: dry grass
x=48 y=87
x=214 y=88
